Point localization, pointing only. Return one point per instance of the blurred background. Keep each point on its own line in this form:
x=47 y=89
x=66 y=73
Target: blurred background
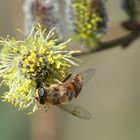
x=112 y=95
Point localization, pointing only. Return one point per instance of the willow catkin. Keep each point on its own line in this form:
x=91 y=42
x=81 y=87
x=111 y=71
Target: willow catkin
x=86 y=19
x=44 y=12
x=132 y=8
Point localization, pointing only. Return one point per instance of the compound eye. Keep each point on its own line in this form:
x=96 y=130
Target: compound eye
x=41 y=92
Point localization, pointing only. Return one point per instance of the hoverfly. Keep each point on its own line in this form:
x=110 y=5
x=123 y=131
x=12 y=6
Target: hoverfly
x=61 y=93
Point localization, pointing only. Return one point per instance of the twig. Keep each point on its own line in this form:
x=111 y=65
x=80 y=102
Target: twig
x=123 y=41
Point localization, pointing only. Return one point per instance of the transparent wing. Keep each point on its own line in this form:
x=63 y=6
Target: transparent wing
x=87 y=74
x=77 y=111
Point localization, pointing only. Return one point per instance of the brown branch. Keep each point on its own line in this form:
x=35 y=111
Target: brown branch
x=123 y=41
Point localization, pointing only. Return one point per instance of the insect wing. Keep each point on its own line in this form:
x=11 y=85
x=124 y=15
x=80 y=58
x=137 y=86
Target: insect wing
x=77 y=111
x=87 y=74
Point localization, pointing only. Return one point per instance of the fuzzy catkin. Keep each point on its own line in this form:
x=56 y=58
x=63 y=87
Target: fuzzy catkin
x=98 y=6
x=128 y=6
x=132 y=8
x=44 y=12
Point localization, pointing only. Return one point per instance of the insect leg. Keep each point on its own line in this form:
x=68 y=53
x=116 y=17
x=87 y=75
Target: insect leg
x=67 y=77
x=57 y=81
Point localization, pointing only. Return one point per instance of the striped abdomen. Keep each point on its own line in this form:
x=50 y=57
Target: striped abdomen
x=74 y=87
x=60 y=94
